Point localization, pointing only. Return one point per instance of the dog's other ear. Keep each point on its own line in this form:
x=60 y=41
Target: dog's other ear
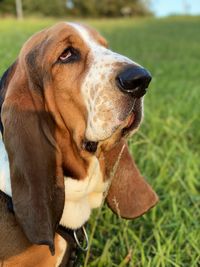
x=37 y=182
x=3 y=82
x=129 y=195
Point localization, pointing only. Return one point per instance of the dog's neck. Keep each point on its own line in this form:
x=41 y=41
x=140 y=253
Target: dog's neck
x=5 y=184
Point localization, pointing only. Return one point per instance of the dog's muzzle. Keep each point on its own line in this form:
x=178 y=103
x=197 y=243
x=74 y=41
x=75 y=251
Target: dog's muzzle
x=133 y=80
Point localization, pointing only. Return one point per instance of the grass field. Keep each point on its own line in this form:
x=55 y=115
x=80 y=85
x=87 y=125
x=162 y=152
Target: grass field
x=167 y=147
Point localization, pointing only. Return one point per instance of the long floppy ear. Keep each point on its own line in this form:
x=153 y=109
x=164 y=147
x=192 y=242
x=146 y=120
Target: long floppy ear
x=129 y=195
x=37 y=182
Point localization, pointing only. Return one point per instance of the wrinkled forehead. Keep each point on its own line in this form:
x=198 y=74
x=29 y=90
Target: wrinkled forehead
x=88 y=35
x=65 y=33
x=98 y=46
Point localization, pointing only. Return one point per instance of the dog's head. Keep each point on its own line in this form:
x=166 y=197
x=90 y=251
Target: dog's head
x=69 y=102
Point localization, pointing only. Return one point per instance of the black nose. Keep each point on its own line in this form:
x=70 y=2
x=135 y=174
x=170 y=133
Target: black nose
x=133 y=80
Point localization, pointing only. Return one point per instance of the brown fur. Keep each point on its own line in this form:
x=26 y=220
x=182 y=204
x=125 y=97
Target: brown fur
x=130 y=195
x=16 y=249
x=31 y=98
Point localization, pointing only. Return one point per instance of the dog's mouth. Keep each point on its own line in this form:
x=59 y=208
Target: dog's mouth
x=130 y=124
x=134 y=118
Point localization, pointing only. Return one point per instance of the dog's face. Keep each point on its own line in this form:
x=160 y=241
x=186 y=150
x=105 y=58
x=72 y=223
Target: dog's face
x=69 y=102
x=106 y=86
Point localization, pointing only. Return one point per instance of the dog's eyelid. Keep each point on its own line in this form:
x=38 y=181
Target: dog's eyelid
x=69 y=55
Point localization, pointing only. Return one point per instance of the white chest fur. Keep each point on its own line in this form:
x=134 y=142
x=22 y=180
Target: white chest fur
x=5 y=185
x=82 y=196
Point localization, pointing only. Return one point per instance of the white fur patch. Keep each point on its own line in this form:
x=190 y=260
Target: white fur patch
x=82 y=196
x=5 y=184
x=62 y=246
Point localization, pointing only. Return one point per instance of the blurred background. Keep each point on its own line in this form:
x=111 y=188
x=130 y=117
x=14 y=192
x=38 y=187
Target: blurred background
x=95 y=8
x=164 y=37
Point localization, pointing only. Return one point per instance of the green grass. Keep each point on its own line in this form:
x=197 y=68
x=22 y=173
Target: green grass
x=166 y=148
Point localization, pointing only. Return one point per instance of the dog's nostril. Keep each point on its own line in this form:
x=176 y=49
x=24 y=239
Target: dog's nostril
x=134 y=80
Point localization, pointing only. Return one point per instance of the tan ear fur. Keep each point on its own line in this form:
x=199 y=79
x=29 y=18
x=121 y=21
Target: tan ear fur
x=36 y=180
x=129 y=195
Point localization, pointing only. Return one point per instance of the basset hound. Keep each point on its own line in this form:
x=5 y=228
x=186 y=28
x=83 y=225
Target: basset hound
x=67 y=105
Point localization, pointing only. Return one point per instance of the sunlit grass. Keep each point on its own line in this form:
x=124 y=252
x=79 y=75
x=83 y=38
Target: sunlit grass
x=166 y=148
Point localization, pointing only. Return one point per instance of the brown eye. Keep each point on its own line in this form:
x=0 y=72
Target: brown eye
x=65 y=55
x=69 y=55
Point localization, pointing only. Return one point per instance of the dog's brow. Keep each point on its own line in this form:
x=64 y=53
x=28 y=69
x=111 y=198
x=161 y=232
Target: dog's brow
x=82 y=32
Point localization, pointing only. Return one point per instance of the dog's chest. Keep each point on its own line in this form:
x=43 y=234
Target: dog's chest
x=82 y=196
